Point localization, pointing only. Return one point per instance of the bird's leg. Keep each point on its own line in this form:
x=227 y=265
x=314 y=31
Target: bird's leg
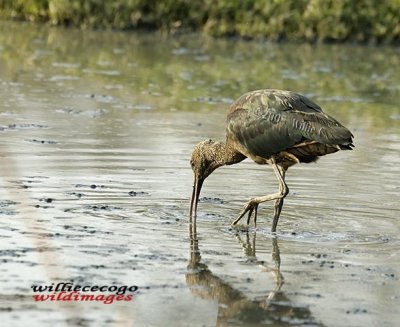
x=279 y=202
x=277 y=212
x=252 y=205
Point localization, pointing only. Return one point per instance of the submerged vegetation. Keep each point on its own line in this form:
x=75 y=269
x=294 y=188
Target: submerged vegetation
x=294 y=20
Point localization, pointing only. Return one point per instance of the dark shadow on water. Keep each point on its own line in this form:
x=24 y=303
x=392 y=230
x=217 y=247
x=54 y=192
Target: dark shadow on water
x=234 y=306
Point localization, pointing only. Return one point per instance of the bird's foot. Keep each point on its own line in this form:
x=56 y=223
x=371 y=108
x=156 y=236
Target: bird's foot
x=250 y=208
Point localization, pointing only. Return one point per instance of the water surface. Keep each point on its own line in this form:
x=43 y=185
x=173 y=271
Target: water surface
x=96 y=133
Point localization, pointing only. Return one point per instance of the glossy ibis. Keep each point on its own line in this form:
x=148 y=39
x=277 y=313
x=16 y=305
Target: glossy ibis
x=274 y=127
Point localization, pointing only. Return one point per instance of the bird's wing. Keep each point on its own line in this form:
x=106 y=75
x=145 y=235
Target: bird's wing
x=269 y=121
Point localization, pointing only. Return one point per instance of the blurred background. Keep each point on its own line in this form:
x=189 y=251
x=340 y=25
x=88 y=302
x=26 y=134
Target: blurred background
x=291 y=20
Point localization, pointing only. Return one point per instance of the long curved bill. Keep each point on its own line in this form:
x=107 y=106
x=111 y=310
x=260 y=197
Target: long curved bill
x=198 y=183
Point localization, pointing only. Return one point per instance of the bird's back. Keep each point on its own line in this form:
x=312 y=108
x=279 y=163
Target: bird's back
x=267 y=122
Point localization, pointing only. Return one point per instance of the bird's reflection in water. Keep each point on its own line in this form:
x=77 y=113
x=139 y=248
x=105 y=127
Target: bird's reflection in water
x=250 y=252
x=234 y=307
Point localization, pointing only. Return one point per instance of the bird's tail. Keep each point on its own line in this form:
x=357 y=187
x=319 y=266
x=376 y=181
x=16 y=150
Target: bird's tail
x=349 y=146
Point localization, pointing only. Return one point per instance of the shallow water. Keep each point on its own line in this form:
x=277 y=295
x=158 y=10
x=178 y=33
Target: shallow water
x=96 y=132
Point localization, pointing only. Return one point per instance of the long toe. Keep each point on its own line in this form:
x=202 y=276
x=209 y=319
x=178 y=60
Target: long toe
x=255 y=215
x=252 y=211
x=249 y=216
x=249 y=207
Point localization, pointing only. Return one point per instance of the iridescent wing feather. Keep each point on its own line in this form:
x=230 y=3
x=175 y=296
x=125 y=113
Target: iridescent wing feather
x=267 y=122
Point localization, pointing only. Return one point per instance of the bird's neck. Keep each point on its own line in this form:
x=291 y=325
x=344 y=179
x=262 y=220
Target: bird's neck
x=227 y=155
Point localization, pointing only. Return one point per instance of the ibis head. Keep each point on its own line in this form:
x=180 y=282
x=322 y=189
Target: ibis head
x=207 y=156
x=204 y=161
